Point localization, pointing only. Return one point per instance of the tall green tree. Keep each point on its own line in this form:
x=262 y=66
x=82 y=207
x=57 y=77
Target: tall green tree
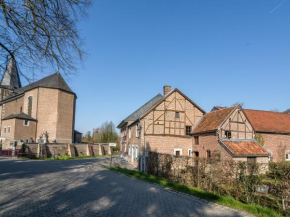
x=106 y=133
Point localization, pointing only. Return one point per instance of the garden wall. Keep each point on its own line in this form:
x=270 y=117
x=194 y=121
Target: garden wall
x=243 y=181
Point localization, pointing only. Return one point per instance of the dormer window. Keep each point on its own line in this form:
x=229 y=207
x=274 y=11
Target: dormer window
x=228 y=134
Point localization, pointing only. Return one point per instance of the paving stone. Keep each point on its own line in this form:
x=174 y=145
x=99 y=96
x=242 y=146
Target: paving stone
x=86 y=188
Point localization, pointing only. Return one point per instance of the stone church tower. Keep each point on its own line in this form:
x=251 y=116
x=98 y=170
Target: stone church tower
x=10 y=80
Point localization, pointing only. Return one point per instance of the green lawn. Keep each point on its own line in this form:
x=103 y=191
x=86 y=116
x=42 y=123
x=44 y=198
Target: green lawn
x=226 y=201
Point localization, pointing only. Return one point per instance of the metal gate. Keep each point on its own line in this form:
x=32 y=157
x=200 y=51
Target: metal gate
x=10 y=153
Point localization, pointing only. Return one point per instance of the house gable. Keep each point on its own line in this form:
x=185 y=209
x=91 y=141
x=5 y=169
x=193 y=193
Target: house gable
x=171 y=115
x=236 y=125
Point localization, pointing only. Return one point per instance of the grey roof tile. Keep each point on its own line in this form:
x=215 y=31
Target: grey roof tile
x=10 y=77
x=19 y=116
x=140 y=111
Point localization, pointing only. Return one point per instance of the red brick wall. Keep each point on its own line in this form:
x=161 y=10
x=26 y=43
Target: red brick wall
x=167 y=144
x=277 y=144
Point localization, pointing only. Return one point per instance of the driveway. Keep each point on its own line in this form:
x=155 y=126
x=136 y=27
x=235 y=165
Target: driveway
x=85 y=188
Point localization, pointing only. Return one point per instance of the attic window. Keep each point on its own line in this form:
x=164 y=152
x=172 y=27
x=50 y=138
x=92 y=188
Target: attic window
x=228 y=134
x=188 y=130
x=176 y=114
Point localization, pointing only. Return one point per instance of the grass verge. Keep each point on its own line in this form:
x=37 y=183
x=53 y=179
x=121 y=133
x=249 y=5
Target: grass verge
x=226 y=201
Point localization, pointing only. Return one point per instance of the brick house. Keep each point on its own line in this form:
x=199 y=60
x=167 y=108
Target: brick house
x=163 y=124
x=227 y=133
x=47 y=105
x=274 y=131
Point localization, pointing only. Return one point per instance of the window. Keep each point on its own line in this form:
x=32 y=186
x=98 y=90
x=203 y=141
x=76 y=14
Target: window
x=176 y=114
x=136 y=152
x=29 y=111
x=196 y=140
x=137 y=134
x=21 y=109
x=26 y=122
x=189 y=152
x=130 y=133
x=9 y=129
x=178 y=152
x=188 y=130
x=4 y=129
x=288 y=156
x=228 y=134
x=208 y=154
x=129 y=150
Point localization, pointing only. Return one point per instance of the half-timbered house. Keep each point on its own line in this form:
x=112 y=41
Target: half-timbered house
x=227 y=134
x=164 y=125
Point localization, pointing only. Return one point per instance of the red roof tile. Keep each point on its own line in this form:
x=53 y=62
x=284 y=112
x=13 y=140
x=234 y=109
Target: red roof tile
x=267 y=121
x=211 y=121
x=245 y=148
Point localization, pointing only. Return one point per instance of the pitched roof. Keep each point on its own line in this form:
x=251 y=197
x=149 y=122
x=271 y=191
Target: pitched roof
x=77 y=132
x=215 y=108
x=211 y=121
x=244 y=148
x=267 y=121
x=10 y=78
x=52 y=81
x=140 y=111
x=162 y=99
x=19 y=116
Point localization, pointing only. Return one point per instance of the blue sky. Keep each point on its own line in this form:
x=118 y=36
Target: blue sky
x=217 y=52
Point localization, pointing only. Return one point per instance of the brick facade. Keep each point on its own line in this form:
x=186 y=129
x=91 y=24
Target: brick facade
x=164 y=127
x=278 y=145
x=52 y=111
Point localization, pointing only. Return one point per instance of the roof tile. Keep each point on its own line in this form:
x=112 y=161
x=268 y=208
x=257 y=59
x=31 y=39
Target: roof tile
x=245 y=147
x=267 y=121
x=211 y=121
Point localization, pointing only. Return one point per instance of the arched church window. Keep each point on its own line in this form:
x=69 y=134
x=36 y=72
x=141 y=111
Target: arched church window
x=30 y=99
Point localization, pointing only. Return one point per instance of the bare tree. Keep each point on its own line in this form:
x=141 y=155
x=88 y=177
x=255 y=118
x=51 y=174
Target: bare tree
x=42 y=34
x=238 y=103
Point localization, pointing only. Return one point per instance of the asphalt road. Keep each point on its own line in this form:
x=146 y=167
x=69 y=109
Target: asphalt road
x=86 y=188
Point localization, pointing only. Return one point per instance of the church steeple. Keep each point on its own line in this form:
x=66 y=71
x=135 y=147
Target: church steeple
x=10 y=79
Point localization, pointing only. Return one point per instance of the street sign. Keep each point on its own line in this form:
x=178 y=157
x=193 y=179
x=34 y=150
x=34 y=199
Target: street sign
x=112 y=144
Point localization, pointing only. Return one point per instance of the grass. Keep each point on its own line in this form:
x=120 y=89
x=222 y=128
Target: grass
x=223 y=200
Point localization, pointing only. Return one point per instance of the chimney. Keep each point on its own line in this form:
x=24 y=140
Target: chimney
x=166 y=89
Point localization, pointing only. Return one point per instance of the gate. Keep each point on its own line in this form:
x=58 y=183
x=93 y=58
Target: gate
x=10 y=153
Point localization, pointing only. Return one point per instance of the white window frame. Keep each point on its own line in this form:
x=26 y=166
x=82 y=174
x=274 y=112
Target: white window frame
x=136 y=152
x=129 y=150
x=27 y=123
x=130 y=133
x=5 y=129
x=287 y=154
x=177 y=149
x=9 y=129
x=190 y=153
